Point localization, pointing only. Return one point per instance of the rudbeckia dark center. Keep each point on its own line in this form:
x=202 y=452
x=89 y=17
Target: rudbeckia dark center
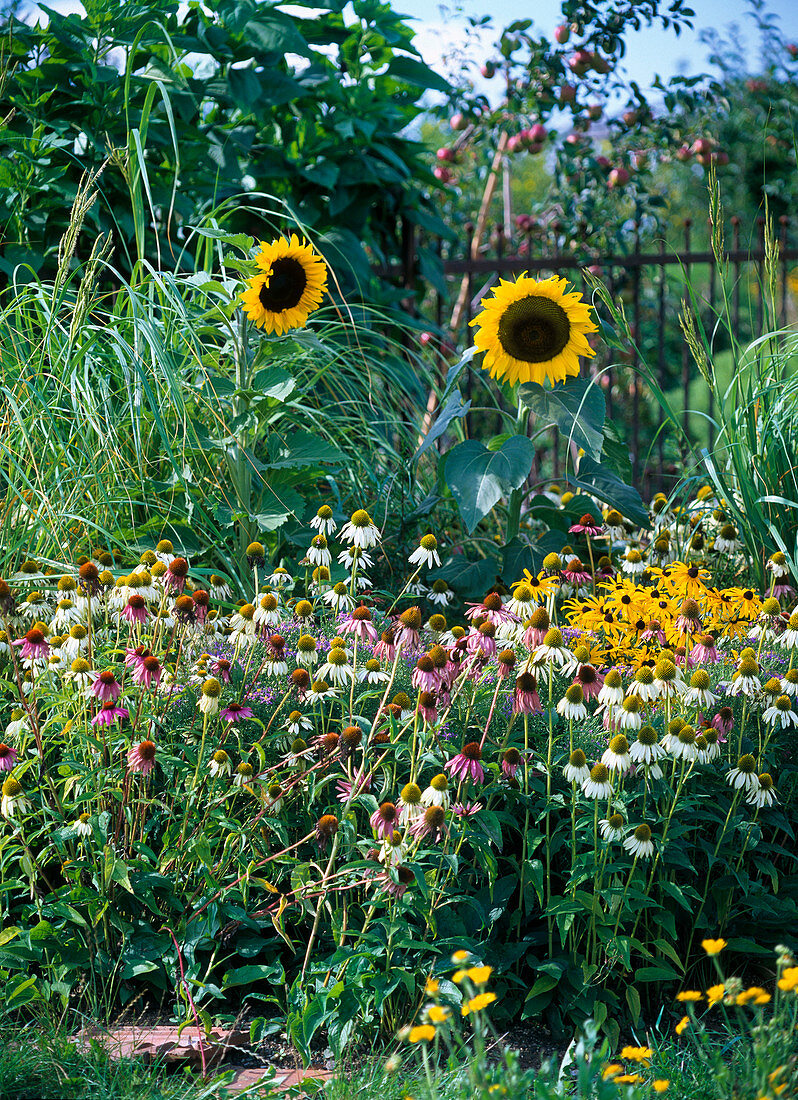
x=534 y=329
x=286 y=285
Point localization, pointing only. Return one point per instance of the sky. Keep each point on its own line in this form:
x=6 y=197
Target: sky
x=649 y=51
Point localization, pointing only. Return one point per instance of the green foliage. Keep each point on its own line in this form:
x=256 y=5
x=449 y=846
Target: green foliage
x=184 y=113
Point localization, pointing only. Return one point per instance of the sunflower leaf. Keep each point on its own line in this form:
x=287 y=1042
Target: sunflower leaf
x=479 y=478
x=454 y=407
x=577 y=408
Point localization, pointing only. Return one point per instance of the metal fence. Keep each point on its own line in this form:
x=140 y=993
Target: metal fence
x=651 y=281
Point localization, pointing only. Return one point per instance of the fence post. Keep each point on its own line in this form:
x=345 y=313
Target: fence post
x=685 y=351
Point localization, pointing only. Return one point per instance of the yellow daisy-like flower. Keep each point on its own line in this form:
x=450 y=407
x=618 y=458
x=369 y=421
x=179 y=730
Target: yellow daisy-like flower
x=437 y=1014
x=460 y=956
x=532 y=330
x=290 y=286
x=682 y=1024
x=661 y=1085
x=690 y=995
x=713 y=947
x=636 y=1054
x=423 y=1031
x=715 y=994
x=612 y=1070
x=476 y=1004
x=432 y=986
x=479 y=974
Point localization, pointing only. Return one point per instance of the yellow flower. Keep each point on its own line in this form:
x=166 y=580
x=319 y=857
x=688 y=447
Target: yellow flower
x=460 y=956
x=628 y=1079
x=432 y=986
x=661 y=1085
x=479 y=974
x=610 y=1071
x=689 y=995
x=713 y=947
x=789 y=979
x=532 y=330
x=437 y=1014
x=290 y=286
x=423 y=1031
x=682 y=1024
x=459 y=976
x=476 y=1004
x=755 y=994
x=636 y=1054
x=715 y=993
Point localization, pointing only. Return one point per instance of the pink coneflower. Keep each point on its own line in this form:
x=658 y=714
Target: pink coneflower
x=575 y=573
x=590 y=680
x=407 y=629
x=235 y=712
x=723 y=722
x=141 y=757
x=430 y=824
x=653 y=632
x=492 y=609
x=105 y=687
x=135 y=611
x=466 y=809
x=506 y=663
x=108 y=714
x=134 y=657
x=148 y=672
x=525 y=696
x=427 y=707
x=202 y=602
x=426 y=677
x=384 y=820
x=483 y=640
x=34 y=645
x=176 y=574
x=8 y=757
x=358 y=622
x=395 y=889
x=704 y=651
x=783 y=591
x=385 y=649
x=347 y=789
x=511 y=759
x=689 y=618
x=466 y=763
x=221 y=669
x=537 y=628
x=587 y=525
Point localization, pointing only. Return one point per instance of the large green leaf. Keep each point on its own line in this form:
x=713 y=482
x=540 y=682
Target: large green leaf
x=455 y=407
x=608 y=487
x=576 y=406
x=479 y=478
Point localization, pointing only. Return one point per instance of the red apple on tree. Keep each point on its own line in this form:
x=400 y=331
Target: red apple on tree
x=562 y=33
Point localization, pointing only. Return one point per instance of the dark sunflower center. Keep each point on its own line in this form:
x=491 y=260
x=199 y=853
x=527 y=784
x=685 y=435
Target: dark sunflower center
x=534 y=329
x=286 y=285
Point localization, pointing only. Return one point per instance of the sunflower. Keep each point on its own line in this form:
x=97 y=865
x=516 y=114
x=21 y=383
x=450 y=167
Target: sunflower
x=531 y=330
x=289 y=287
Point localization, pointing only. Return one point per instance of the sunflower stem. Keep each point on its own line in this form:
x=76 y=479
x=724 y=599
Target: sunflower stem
x=516 y=496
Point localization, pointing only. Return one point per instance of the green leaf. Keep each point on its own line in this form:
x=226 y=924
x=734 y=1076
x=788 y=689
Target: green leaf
x=608 y=487
x=245 y=975
x=516 y=557
x=301 y=449
x=416 y=72
x=633 y=1000
x=273 y=382
x=576 y=406
x=455 y=407
x=479 y=478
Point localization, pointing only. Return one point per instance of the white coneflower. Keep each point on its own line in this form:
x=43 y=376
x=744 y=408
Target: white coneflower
x=82 y=826
x=337 y=668
x=267 y=613
x=298 y=723
x=643 y=684
x=441 y=594
x=437 y=793
x=410 y=808
x=613 y=525
x=339 y=598
x=319 y=691
x=242 y=625
x=244 y=774
x=709 y=750
x=763 y=794
x=616 y=756
x=523 y=603
x=274 y=798
x=34 y=608
x=393 y=850
x=611 y=691
x=668 y=741
x=789 y=683
x=360 y=530
x=553 y=651
x=576 y=770
x=632 y=562
x=699 y=692
x=629 y=715
x=781 y=713
x=598 y=785
x=66 y=615
x=746 y=678
x=668 y=678
x=13 y=801
x=640 y=844
x=777 y=565
x=646 y=749
x=209 y=697
x=612 y=827
x=323 y=521
x=220 y=764
x=280 y=578
x=352 y=556
x=726 y=541
x=19 y=724
x=164 y=551
x=684 y=744
x=427 y=552
x=744 y=776
x=306 y=651
x=372 y=673
x=318 y=553
x=77 y=642
x=219 y=588
x=572 y=705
